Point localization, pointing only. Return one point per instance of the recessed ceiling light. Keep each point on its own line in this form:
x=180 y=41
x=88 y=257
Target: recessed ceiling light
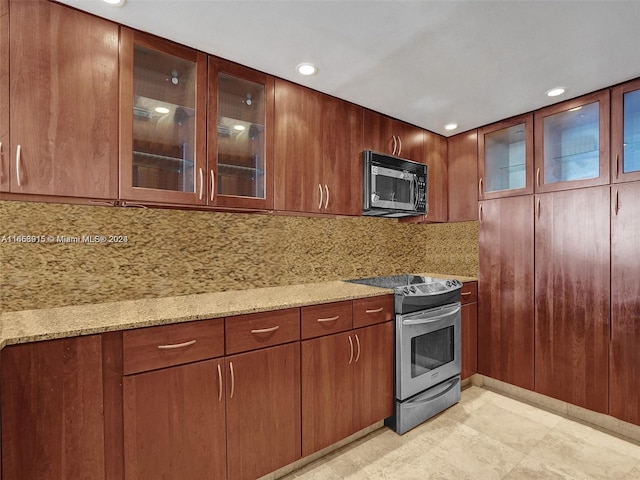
x=162 y=110
x=307 y=69
x=115 y=3
x=451 y=126
x=239 y=128
x=554 y=92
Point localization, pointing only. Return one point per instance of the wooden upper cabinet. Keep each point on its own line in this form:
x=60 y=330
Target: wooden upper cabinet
x=240 y=136
x=505 y=158
x=64 y=99
x=462 y=156
x=393 y=137
x=4 y=96
x=162 y=121
x=435 y=156
x=572 y=143
x=625 y=132
x=317 y=152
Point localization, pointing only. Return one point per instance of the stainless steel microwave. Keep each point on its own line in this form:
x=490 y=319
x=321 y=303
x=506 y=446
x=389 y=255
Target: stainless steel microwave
x=392 y=186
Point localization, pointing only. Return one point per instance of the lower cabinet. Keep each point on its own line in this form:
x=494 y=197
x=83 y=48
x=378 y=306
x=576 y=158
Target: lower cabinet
x=347 y=384
x=469 y=321
x=174 y=423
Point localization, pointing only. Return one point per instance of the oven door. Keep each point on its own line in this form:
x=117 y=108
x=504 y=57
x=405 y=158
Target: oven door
x=393 y=189
x=428 y=349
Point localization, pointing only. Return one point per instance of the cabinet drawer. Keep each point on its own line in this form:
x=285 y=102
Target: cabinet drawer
x=258 y=330
x=327 y=318
x=368 y=311
x=469 y=292
x=157 y=347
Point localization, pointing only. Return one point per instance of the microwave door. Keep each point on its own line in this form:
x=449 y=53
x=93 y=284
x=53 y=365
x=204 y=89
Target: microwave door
x=393 y=189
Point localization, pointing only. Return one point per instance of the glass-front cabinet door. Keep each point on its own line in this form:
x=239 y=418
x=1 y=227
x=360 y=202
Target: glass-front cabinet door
x=625 y=132
x=505 y=158
x=572 y=143
x=240 y=136
x=163 y=115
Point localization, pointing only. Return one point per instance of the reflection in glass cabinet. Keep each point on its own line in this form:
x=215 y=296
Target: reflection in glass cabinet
x=241 y=137
x=163 y=121
x=505 y=159
x=631 y=135
x=572 y=144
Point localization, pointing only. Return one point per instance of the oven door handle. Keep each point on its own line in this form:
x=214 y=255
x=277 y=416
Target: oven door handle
x=421 y=321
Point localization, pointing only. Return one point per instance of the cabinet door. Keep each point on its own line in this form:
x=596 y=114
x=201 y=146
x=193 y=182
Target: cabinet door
x=327 y=390
x=174 y=423
x=263 y=411
x=435 y=156
x=4 y=96
x=378 y=133
x=462 y=153
x=64 y=99
x=373 y=369
x=624 y=400
x=572 y=143
x=240 y=136
x=52 y=410
x=162 y=120
x=505 y=290
x=505 y=158
x=342 y=157
x=625 y=132
x=572 y=292
x=298 y=149
x=469 y=321
x=411 y=141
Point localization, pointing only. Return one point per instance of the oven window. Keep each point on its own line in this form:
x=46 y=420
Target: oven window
x=393 y=189
x=431 y=350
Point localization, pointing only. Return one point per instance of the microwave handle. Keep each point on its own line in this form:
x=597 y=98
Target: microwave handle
x=416 y=194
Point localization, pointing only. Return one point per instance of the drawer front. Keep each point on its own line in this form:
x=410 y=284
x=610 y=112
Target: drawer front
x=158 y=347
x=469 y=292
x=327 y=318
x=258 y=330
x=369 y=311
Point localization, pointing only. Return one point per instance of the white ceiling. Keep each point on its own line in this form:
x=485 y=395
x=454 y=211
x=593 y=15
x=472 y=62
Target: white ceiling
x=424 y=62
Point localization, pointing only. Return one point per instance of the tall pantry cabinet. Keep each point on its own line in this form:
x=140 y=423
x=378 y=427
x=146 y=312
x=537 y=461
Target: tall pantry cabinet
x=4 y=95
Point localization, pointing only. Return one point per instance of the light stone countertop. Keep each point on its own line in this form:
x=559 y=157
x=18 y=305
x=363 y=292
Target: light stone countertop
x=62 y=322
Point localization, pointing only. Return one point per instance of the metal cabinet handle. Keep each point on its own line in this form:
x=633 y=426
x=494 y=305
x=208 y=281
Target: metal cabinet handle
x=351 y=350
x=18 y=161
x=176 y=345
x=233 y=379
x=266 y=330
x=480 y=188
x=617 y=206
x=330 y=319
x=213 y=185
x=375 y=310
x=201 y=183
x=480 y=212
x=358 y=354
x=465 y=294
x=538 y=209
x=538 y=177
x=395 y=144
x=219 y=383
x=617 y=165
x=400 y=145
x=326 y=201
x=320 y=203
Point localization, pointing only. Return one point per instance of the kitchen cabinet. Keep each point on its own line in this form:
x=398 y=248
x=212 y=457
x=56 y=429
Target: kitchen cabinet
x=64 y=95
x=572 y=143
x=317 y=152
x=347 y=384
x=52 y=410
x=469 y=325
x=505 y=158
x=162 y=121
x=462 y=159
x=624 y=362
x=435 y=147
x=625 y=132
x=506 y=290
x=572 y=296
x=240 y=136
x=4 y=96
x=392 y=137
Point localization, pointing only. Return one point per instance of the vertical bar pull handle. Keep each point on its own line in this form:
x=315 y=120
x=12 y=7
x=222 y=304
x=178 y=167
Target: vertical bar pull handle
x=400 y=145
x=395 y=144
x=326 y=200
x=538 y=208
x=18 y=161
x=480 y=213
x=351 y=350
x=617 y=207
x=480 y=188
x=201 y=183
x=358 y=343
x=219 y=383
x=320 y=202
x=538 y=177
x=213 y=185
x=233 y=380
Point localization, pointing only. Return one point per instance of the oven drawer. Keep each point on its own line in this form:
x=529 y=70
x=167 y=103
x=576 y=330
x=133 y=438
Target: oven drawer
x=469 y=292
x=372 y=310
x=327 y=318
x=168 y=345
x=259 y=330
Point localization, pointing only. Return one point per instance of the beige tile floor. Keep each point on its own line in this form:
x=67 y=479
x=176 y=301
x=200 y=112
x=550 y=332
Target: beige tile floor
x=485 y=436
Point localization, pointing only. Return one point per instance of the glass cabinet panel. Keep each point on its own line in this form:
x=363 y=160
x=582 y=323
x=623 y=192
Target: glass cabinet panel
x=572 y=144
x=631 y=132
x=164 y=133
x=505 y=159
x=241 y=137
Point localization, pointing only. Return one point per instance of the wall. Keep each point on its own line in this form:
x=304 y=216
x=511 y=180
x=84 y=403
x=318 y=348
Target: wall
x=177 y=252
